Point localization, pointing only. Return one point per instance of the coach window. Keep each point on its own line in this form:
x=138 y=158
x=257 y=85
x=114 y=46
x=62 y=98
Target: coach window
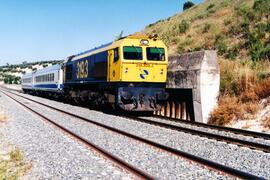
x=116 y=54
x=132 y=53
x=155 y=54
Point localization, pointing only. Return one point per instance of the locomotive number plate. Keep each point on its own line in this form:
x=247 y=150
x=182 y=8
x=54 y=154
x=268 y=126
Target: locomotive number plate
x=82 y=69
x=144 y=65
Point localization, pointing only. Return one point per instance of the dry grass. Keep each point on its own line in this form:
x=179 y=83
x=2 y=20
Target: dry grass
x=228 y=109
x=242 y=90
x=12 y=165
x=16 y=155
x=266 y=122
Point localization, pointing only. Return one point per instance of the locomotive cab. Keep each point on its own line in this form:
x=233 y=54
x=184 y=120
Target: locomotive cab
x=139 y=66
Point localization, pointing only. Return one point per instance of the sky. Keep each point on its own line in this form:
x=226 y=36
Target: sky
x=36 y=30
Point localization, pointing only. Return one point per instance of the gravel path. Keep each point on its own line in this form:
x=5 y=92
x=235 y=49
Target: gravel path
x=161 y=165
x=52 y=154
x=252 y=161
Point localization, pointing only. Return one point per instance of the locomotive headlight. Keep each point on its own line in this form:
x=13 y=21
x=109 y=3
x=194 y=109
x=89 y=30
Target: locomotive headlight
x=126 y=70
x=144 y=42
x=161 y=71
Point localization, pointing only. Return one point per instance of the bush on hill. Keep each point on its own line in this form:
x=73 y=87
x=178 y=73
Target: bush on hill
x=188 y=5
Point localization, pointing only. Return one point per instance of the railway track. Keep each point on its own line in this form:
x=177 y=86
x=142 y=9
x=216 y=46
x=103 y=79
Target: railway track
x=249 y=144
x=227 y=139
x=121 y=163
x=226 y=129
x=207 y=163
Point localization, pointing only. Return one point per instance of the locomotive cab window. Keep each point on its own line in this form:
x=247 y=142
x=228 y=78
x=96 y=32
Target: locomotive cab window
x=155 y=53
x=132 y=53
x=116 y=54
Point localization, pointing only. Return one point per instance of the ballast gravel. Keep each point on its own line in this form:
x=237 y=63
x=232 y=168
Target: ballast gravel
x=157 y=163
x=245 y=159
x=52 y=154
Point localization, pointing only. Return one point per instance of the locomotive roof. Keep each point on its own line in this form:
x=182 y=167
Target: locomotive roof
x=94 y=49
x=88 y=52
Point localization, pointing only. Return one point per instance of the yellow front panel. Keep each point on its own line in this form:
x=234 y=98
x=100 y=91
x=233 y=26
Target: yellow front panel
x=125 y=70
x=141 y=72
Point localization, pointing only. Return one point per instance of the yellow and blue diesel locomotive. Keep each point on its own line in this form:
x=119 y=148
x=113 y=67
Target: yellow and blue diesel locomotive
x=129 y=74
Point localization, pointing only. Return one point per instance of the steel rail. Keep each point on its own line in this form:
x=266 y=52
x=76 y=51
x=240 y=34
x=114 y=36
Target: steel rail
x=228 y=129
x=210 y=164
x=132 y=169
x=250 y=144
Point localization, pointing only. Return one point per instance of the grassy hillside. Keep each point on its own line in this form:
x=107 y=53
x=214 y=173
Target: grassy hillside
x=240 y=32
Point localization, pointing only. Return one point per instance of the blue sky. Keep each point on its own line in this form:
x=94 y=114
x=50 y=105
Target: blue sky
x=34 y=30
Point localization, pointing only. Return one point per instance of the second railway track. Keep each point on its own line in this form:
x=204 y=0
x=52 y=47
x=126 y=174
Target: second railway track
x=249 y=144
x=205 y=162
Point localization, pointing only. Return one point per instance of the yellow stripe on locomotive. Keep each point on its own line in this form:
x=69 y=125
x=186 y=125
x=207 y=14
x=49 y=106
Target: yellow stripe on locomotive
x=138 y=59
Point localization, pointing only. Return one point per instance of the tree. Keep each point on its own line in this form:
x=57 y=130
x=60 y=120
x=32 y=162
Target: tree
x=188 y=5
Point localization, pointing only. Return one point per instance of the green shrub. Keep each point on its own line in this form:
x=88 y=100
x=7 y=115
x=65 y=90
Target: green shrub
x=227 y=21
x=244 y=26
x=221 y=45
x=263 y=75
x=180 y=48
x=268 y=26
x=188 y=5
x=210 y=7
x=262 y=7
x=44 y=65
x=256 y=48
x=260 y=30
x=200 y=16
x=183 y=26
x=11 y=79
x=233 y=52
x=206 y=28
x=196 y=49
x=242 y=10
x=265 y=53
x=211 y=11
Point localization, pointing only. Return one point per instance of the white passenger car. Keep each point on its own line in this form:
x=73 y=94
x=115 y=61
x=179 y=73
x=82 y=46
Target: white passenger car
x=48 y=79
x=27 y=81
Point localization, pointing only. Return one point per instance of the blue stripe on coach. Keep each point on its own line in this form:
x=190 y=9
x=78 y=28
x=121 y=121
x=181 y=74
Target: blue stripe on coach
x=48 y=86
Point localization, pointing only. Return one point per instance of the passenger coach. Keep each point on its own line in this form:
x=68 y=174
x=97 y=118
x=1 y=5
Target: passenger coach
x=47 y=81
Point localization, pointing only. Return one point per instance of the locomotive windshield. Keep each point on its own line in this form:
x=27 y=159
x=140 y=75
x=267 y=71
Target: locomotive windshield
x=132 y=53
x=155 y=54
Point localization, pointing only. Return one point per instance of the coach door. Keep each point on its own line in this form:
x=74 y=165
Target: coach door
x=114 y=65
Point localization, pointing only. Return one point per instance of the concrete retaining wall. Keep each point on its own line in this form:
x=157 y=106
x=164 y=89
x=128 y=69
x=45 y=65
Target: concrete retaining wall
x=198 y=71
